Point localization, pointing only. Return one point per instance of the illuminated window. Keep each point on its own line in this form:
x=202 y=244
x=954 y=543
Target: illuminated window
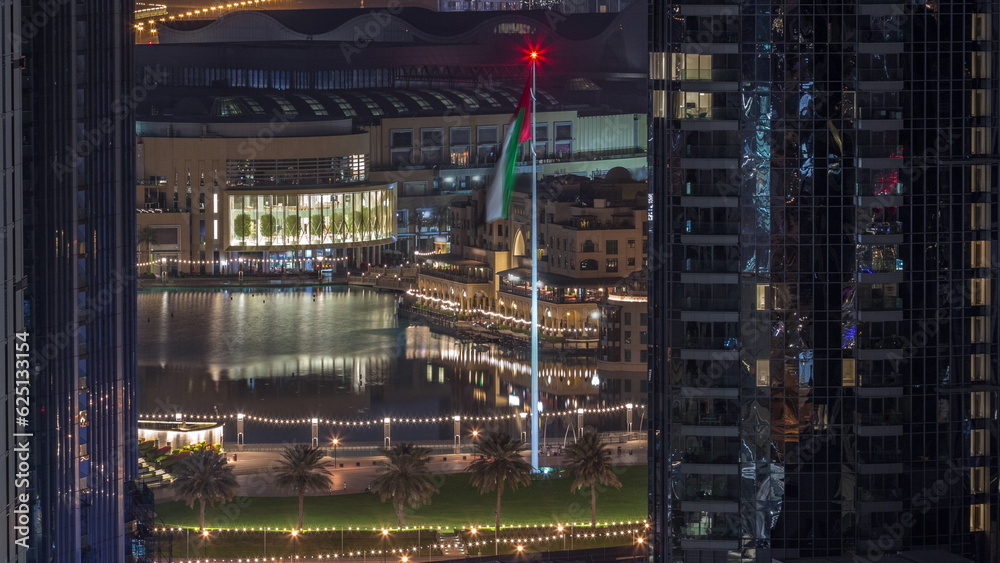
x=693 y=105
x=690 y=66
x=982 y=27
x=763 y=373
x=979 y=291
x=979 y=216
x=979 y=367
x=979 y=254
x=979 y=478
x=659 y=103
x=979 y=404
x=658 y=66
x=981 y=102
x=980 y=178
x=978 y=518
x=762 y=296
x=978 y=442
x=850 y=373
x=982 y=141
x=980 y=64
x=979 y=330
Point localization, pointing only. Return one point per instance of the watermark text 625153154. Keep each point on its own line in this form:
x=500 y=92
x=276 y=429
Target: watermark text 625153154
x=22 y=440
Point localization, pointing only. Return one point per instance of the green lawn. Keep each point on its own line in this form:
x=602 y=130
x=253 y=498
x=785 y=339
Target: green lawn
x=458 y=505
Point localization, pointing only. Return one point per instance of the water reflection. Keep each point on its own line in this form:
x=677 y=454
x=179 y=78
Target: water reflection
x=329 y=352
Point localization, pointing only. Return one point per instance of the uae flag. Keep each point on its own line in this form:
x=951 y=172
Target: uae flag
x=502 y=186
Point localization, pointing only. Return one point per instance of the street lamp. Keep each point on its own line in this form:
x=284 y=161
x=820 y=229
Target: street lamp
x=472 y=532
x=336 y=443
x=204 y=535
x=295 y=545
x=561 y=531
x=385 y=536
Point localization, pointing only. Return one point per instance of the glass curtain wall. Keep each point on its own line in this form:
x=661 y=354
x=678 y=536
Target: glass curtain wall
x=273 y=220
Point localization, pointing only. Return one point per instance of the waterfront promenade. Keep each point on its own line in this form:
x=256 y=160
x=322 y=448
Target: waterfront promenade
x=253 y=467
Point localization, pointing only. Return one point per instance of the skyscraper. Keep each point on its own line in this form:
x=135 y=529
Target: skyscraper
x=78 y=298
x=11 y=254
x=823 y=290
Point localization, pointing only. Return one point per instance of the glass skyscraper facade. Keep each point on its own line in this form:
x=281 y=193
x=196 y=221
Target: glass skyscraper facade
x=70 y=138
x=823 y=292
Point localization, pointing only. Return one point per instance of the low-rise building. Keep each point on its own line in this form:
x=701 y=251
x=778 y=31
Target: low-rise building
x=300 y=180
x=591 y=234
x=624 y=341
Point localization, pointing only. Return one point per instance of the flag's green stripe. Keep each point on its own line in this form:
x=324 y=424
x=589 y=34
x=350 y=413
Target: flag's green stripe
x=510 y=155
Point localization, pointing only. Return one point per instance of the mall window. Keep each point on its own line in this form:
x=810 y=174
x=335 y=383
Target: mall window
x=542 y=140
x=431 y=146
x=588 y=265
x=611 y=265
x=564 y=139
x=486 y=148
x=460 y=145
x=401 y=143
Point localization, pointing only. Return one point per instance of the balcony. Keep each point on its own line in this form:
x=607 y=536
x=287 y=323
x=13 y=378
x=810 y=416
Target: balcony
x=708 y=113
x=455 y=275
x=710 y=151
x=714 y=75
x=692 y=304
x=711 y=228
x=710 y=190
x=709 y=36
x=882 y=36
x=880 y=75
x=884 y=228
x=706 y=419
x=881 y=304
x=878 y=419
x=711 y=343
x=881 y=113
x=710 y=266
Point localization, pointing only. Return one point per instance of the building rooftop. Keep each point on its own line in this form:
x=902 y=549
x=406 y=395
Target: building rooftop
x=252 y=105
x=413 y=24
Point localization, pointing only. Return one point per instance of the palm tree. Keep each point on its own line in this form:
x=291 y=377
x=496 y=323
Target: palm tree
x=405 y=478
x=499 y=465
x=300 y=469
x=147 y=236
x=590 y=464
x=204 y=476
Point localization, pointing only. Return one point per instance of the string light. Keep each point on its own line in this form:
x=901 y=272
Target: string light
x=161 y=9
x=320 y=261
x=609 y=532
x=375 y=422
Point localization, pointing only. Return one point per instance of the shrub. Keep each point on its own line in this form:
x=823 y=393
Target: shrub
x=243 y=226
x=268 y=225
x=293 y=226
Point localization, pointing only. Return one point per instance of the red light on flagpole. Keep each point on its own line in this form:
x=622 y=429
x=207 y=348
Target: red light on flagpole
x=533 y=54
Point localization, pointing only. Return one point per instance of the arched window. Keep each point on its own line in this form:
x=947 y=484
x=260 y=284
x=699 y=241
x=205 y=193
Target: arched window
x=590 y=264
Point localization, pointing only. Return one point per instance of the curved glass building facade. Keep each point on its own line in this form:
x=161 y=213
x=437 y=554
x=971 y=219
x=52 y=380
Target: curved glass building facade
x=291 y=221
x=823 y=293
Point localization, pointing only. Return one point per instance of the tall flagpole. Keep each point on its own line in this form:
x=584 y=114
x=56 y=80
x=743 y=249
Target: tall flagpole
x=534 y=276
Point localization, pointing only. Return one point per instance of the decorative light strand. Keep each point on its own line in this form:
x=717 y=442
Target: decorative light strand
x=321 y=261
x=375 y=422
